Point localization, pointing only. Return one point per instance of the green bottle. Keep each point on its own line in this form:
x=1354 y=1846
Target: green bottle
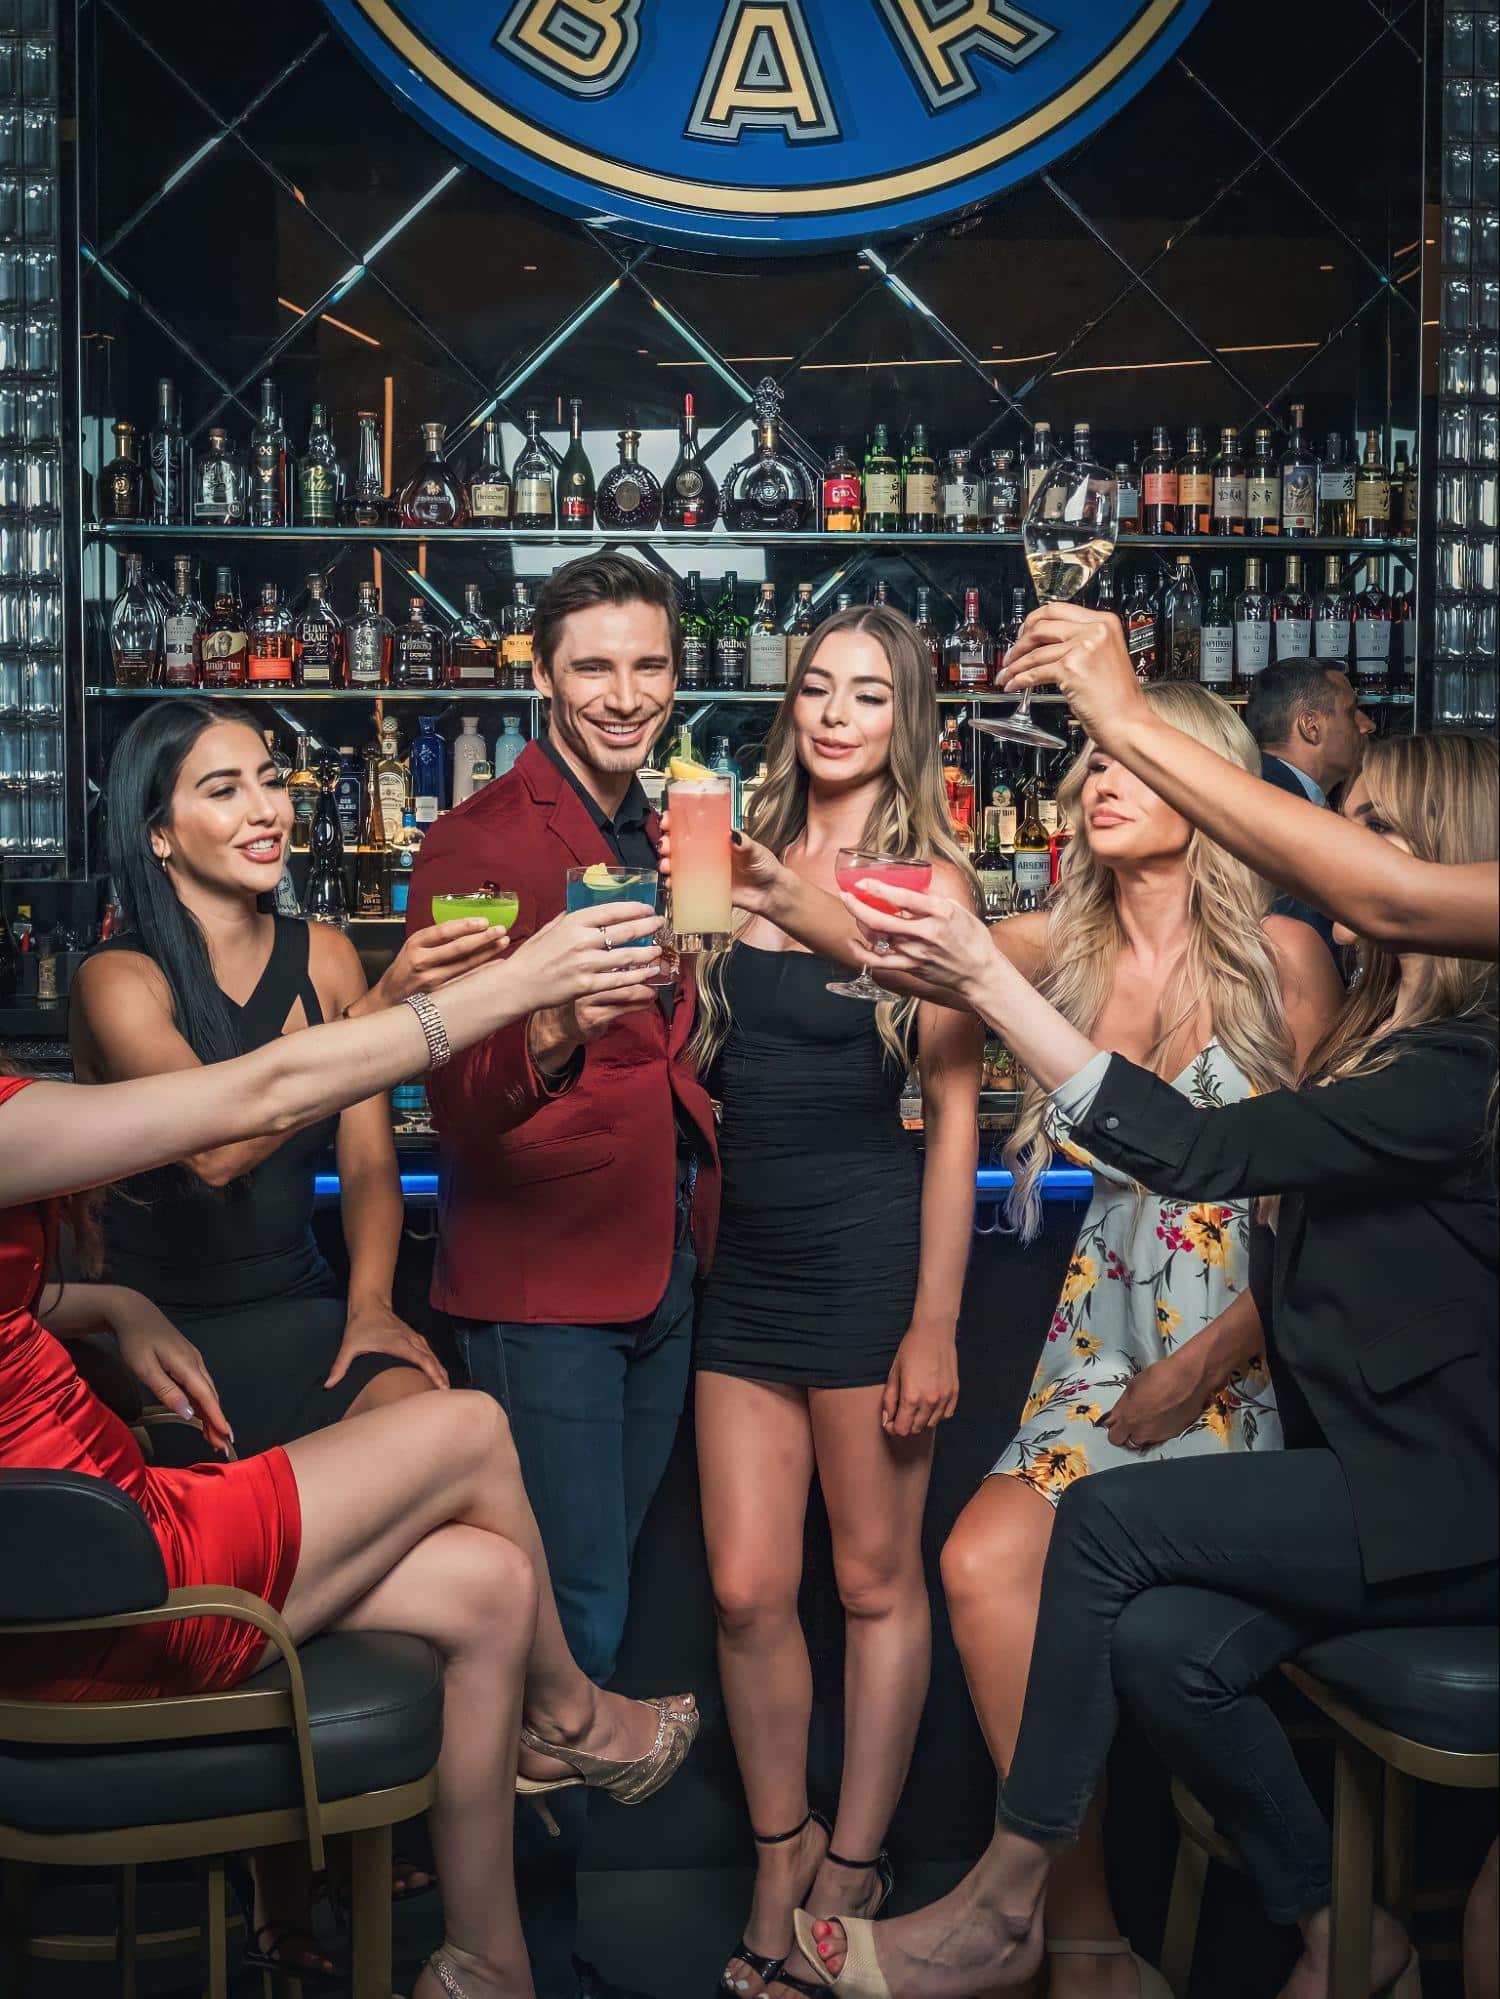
x=731 y=636
x=882 y=485
x=695 y=670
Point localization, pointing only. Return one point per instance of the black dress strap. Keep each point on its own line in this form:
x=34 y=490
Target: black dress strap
x=285 y=980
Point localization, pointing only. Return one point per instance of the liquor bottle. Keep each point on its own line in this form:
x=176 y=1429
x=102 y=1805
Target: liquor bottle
x=372 y=893
x=325 y=901
x=882 y=485
x=575 y=477
x=731 y=636
x=1140 y=622
x=1263 y=486
x=1046 y=801
x=695 y=668
x=508 y=745
x=1408 y=508
x=969 y=653
x=533 y=495
x=269 y=652
x=722 y=764
x=349 y=787
x=749 y=789
x=926 y=630
x=690 y=498
x=1127 y=499
x=318 y=640
x=1371 y=619
x=844 y=601
x=770 y=489
x=919 y=485
x=1195 y=487
x=1003 y=803
x=1217 y=651
x=1159 y=485
x=122 y=484
x=223 y=643
x=391 y=778
x=804 y=624
x=629 y=496
x=1403 y=674
x=517 y=624
x=303 y=786
x=1372 y=492
x=1252 y=627
x=1183 y=619
x=881 y=595
x=962 y=492
x=1299 y=480
x=1001 y=510
x=134 y=631
x=1013 y=626
x=469 y=748
x=1083 y=443
x=1031 y=861
x=419 y=652
x=429 y=772
x=1331 y=610
x=768 y=648
x=843 y=497
x=219 y=483
x=433 y=497
x=1104 y=592
x=181 y=663
x=368 y=506
x=474 y=650
x=166 y=452
x=367 y=642
x=320 y=475
x=991 y=865
x=268 y=462
x=957 y=783
x=1336 y=482
x=406 y=844
x=1231 y=499
x=489 y=489
x=1291 y=615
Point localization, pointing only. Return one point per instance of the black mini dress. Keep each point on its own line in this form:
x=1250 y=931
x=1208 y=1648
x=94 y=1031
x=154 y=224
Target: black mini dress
x=815 y=1272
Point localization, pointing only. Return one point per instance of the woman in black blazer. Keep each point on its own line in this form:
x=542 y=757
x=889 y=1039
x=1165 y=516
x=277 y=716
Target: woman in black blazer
x=1182 y=1586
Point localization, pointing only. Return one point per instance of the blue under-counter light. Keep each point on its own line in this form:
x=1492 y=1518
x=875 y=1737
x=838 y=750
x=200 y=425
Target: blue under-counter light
x=1059 y=1183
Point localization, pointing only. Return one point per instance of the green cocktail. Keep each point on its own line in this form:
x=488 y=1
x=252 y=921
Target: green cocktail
x=498 y=907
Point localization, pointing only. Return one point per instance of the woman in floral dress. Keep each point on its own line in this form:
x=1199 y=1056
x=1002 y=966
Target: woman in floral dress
x=1157 y=942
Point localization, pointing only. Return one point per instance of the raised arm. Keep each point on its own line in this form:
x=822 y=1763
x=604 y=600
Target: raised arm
x=1351 y=874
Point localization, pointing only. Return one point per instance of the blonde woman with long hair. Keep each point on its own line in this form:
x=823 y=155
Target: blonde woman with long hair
x=827 y=1338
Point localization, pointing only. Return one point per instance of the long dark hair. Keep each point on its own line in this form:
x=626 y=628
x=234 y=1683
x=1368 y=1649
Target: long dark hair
x=143 y=775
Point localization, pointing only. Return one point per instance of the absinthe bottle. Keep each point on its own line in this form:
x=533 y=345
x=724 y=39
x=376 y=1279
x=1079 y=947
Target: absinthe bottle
x=1031 y=864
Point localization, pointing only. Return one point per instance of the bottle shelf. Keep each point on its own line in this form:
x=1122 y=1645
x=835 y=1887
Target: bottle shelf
x=455 y=697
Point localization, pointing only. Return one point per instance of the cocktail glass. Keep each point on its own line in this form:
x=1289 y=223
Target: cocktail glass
x=589 y=887
x=702 y=913
x=498 y=906
x=851 y=870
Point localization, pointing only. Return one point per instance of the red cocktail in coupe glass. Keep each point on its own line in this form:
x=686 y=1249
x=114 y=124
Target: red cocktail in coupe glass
x=851 y=870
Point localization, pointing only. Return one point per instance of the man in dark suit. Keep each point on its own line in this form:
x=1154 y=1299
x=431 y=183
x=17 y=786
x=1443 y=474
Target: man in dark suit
x=1311 y=732
x=579 y=1175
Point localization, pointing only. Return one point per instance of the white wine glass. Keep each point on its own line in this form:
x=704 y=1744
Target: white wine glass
x=1068 y=535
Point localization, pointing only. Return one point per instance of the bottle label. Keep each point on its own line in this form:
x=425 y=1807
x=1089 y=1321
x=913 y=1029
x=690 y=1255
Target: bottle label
x=1161 y=489
x=1046 y=811
x=1140 y=643
x=1372 y=640
x=179 y=665
x=366 y=657
x=1293 y=638
x=1372 y=499
x=768 y=659
x=961 y=499
x=1195 y=489
x=576 y=507
x=1252 y=645
x=270 y=666
x=973 y=666
x=534 y=494
x=315 y=496
x=224 y=654
x=418 y=656
x=515 y=649
x=841 y=502
x=1299 y=500
x=1332 y=638
x=1229 y=499
x=1218 y=655
x=490 y=503
x=1263 y=498
x=1009 y=818
x=1336 y=483
x=1032 y=871
x=882 y=493
x=425 y=805
x=729 y=660
x=390 y=789
x=1127 y=500
x=475 y=664
x=693 y=671
x=921 y=494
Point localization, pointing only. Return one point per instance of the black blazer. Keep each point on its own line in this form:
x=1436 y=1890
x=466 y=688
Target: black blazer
x=1382 y=1335
x=1278 y=772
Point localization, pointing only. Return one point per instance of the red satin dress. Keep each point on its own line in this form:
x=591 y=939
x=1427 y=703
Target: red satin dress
x=236 y=1524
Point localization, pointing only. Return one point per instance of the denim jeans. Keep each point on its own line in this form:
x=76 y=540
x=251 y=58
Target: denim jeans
x=1177 y=1588
x=594 y=1412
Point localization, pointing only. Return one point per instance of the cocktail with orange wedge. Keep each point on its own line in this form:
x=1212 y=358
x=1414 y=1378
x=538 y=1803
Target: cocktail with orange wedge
x=699 y=801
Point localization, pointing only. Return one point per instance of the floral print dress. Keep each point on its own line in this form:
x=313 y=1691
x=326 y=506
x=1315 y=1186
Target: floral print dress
x=1145 y=1275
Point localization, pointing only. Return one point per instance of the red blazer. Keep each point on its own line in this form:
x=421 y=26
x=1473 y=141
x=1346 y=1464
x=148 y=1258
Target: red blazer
x=556 y=1208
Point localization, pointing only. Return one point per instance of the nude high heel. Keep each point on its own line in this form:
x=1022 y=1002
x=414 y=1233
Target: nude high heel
x=861 y=1977
x=1153 y=1985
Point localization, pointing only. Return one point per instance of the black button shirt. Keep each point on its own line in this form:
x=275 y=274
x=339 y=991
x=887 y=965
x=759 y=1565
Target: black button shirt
x=625 y=834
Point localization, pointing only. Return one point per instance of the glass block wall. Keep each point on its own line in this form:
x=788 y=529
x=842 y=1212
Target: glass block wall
x=1466 y=569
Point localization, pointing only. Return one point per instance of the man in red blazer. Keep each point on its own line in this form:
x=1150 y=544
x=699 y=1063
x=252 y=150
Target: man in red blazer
x=579 y=1172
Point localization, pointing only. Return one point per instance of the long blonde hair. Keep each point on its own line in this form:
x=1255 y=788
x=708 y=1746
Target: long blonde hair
x=1227 y=960
x=1440 y=794
x=909 y=815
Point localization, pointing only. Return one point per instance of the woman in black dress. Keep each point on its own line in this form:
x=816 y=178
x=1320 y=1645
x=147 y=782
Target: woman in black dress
x=827 y=1337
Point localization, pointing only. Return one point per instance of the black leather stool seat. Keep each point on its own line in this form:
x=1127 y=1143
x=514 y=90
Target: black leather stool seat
x=1439 y=1685
x=375 y=1702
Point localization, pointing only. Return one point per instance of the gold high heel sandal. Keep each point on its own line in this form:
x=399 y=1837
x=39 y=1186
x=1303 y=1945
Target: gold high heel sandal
x=628 y=1783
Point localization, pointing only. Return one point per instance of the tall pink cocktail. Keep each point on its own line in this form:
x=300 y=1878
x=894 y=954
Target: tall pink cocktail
x=851 y=871
x=702 y=913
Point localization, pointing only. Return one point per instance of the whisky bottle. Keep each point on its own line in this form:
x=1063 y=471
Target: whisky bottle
x=303 y=787
x=1195 y=487
x=1252 y=627
x=1031 y=862
x=224 y=644
x=690 y=498
x=268 y=462
x=320 y=475
x=882 y=485
x=367 y=642
x=418 y=651
x=181 y=665
x=517 y=624
x=961 y=493
x=122 y=484
x=1183 y=619
x=1140 y=622
x=1403 y=671
x=134 y=631
x=1291 y=615
x=1408 y=508
x=731 y=636
x=219 y=483
x=969 y=654
x=1127 y=499
x=1217 y=649
x=433 y=496
x=166 y=453
x=533 y=490
x=1263 y=487
x=843 y=500
x=1231 y=500
x=269 y=652
x=1299 y=480
x=1001 y=513
x=575 y=476
x=318 y=640
x=927 y=631
x=1335 y=488
x=919 y=485
x=1372 y=492
x=695 y=668
x=770 y=490
x=1331 y=610
x=1371 y=620
x=768 y=648
x=474 y=649
x=1038 y=458
x=368 y=506
x=1159 y=485
x=803 y=626
x=629 y=497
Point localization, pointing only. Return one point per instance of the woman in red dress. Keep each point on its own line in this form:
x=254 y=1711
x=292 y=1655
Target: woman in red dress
x=409 y=1518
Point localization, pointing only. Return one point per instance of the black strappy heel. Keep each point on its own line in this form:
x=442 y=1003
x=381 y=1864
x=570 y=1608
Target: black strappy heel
x=768 y=1968
x=881 y=1867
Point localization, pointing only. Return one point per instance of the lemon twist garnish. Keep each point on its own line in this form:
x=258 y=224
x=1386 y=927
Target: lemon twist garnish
x=600 y=875
x=683 y=770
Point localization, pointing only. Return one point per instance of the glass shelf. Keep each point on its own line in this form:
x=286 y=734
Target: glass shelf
x=685 y=696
